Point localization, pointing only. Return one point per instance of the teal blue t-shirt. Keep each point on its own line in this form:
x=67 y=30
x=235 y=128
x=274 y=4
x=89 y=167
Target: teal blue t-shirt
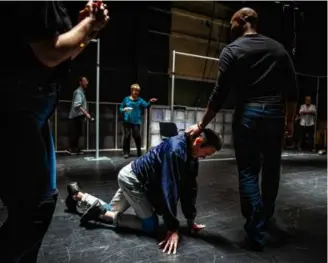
x=138 y=105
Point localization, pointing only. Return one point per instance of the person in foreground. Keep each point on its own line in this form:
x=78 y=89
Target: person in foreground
x=152 y=185
x=41 y=43
x=263 y=77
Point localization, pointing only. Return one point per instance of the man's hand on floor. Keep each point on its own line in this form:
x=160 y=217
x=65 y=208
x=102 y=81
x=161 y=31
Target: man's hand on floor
x=170 y=243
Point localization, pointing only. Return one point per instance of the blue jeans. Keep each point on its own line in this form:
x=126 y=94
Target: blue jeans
x=258 y=136
x=28 y=179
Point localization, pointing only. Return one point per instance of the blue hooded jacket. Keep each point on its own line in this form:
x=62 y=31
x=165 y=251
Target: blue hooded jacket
x=168 y=173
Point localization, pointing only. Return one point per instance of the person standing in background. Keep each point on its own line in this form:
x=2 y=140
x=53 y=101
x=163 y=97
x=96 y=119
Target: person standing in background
x=132 y=108
x=77 y=115
x=40 y=43
x=307 y=123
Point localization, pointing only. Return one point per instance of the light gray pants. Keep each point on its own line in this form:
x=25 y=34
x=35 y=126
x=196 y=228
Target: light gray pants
x=130 y=193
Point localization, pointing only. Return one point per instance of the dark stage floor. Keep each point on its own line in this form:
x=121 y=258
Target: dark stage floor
x=301 y=210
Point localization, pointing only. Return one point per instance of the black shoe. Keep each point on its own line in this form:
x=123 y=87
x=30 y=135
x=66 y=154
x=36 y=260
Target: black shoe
x=126 y=156
x=73 y=188
x=93 y=213
x=71 y=204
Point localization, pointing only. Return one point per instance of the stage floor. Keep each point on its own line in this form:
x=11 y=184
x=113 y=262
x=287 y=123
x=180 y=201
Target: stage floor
x=301 y=211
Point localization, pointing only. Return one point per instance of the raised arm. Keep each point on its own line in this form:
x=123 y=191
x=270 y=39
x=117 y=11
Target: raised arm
x=42 y=26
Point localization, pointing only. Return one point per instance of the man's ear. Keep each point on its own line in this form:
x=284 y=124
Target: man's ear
x=198 y=141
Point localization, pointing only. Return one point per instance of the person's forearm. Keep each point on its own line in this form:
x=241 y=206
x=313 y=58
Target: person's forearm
x=83 y=45
x=291 y=110
x=209 y=115
x=52 y=53
x=85 y=112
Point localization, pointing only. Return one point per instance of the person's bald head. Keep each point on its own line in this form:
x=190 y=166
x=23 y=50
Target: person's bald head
x=243 y=21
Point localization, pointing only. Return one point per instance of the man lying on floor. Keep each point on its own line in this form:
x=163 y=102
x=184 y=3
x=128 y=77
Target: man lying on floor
x=152 y=185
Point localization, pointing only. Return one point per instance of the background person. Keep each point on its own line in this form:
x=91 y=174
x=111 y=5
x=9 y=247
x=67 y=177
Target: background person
x=77 y=115
x=132 y=108
x=307 y=117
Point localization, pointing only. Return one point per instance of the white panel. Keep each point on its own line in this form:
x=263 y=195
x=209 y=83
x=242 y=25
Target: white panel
x=155 y=140
x=200 y=114
x=191 y=116
x=179 y=115
x=167 y=115
x=219 y=117
x=180 y=125
x=218 y=128
x=227 y=128
x=157 y=115
x=210 y=126
x=228 y=117
x=227 y=139
x=154 y=128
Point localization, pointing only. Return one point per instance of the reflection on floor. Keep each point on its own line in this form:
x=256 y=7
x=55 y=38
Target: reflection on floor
x=301 y=210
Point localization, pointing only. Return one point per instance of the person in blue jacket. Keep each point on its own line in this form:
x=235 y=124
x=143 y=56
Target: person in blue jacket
x=132 y=108
x=152 y=185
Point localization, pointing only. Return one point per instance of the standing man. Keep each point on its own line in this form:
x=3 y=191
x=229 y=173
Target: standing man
x=262 y=74
x=132 y=108
x=307 y=122
x=40 y=44
x=77 y=115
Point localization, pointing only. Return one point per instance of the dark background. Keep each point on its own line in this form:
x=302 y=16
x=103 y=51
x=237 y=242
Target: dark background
x=136 y=47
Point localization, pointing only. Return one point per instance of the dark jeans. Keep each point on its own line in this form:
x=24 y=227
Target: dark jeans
x=28 y=170
x=75 y=131
x=306 y=134
x=258 y=138
x=21 y=237
x=135 y=130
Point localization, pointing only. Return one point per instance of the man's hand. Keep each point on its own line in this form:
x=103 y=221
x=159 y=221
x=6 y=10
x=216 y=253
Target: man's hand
x=153 y=100
x=97 y=10
x=170 y=243
x=194 y=130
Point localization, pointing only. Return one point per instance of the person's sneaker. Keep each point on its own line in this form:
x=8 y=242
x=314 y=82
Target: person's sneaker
x=93 y=213
x=73 y=188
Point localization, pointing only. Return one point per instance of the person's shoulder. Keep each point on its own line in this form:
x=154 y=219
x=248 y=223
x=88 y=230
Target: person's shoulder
x=179 y=146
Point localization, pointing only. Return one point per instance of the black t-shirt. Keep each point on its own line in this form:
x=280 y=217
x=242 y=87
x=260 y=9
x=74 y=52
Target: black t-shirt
x=25 y=22
x=259 y=69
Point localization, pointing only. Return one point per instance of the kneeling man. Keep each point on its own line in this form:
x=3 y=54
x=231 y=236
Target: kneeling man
x=152 y=185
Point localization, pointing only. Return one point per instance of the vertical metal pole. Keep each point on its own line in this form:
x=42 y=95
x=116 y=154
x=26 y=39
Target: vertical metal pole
x=172 y=85
x=316 y=115
x=97 y=99
x=56 y=130
x=116 y=122
x=88 y=133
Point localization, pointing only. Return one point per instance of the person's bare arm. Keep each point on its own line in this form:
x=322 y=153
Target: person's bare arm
x=54 y=51
x=85 y=112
